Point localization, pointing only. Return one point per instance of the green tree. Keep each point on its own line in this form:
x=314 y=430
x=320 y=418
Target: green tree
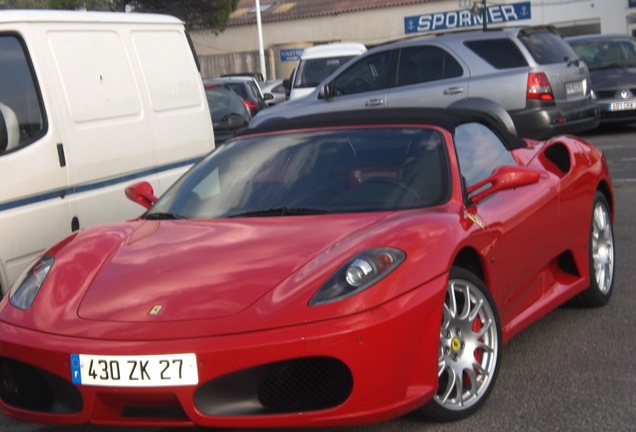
x=22 y=4
x=96 y=5
x=197 y=14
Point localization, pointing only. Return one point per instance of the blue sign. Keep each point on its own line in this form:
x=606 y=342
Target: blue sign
x=462 y=19
x=291 y=54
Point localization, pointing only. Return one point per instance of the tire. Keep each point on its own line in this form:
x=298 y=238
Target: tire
x=470 y=349
x=601 y=251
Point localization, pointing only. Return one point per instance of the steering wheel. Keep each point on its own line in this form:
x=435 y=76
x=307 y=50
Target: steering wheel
x=361 y=85
x=396 y=183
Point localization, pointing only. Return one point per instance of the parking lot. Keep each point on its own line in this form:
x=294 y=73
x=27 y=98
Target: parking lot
x=571 y=371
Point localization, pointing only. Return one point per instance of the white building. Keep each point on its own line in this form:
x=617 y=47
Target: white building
x=289 y=26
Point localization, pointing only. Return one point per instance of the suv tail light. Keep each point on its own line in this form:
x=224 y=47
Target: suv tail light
x=539 y=87
x=250 y=105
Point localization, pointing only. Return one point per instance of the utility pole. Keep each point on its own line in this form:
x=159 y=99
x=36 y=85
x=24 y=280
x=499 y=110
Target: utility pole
x=484 y=15
x=259 y=30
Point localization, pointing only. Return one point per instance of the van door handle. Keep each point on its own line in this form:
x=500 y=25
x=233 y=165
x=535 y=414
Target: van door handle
x=453 y=91
x=374 y=103
x=60 y=155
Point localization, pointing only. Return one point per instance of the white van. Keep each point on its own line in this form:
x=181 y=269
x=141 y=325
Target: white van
x=317 y=62
x=89 y=103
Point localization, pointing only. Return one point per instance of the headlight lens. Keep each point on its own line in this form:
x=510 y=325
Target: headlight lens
x=358 y=274
x=28 y=284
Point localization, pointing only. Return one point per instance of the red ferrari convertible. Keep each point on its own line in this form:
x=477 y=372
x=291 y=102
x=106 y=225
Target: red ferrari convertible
x=332 y=270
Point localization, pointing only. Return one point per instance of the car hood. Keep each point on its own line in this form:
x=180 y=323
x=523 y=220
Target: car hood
x=604 y=79
x=193 y=270
x=288 y=109
x=159 y=280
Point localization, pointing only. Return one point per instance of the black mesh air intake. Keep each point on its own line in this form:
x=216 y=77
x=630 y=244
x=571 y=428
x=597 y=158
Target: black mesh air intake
x=306 y=384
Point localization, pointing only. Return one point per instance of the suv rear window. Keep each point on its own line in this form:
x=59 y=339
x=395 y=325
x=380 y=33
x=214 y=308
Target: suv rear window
x=499 y=53
x=547 y=47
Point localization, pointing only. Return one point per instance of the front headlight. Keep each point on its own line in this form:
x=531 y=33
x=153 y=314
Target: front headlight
x=27 y=285
x=359 y=273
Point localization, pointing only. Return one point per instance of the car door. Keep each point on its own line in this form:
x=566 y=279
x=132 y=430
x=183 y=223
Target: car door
x=34 y=206
x=428 y=76
x=521 y=222
x=363 y=85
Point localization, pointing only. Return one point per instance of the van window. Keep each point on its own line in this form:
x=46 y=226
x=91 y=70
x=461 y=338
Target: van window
x=368 y=74
x=19 y=91
x=426 y=63
x=499 y=53
x=312 y=71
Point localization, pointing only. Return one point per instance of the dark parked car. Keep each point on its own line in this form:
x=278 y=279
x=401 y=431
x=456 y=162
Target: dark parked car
x=247 y=88
x=229 y=114
x=611 y=60
x=530 y=72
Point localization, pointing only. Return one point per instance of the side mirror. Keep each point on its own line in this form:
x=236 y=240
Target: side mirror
x=9 y=129
x=141 y=193
x=326 y=91
x=503 y=178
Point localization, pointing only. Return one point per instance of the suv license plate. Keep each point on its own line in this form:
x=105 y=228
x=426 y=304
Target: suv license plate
x=134 y=371
x=574 y=88
x=622 y=106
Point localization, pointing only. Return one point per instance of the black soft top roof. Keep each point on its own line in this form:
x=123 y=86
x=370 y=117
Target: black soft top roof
x=446 y=118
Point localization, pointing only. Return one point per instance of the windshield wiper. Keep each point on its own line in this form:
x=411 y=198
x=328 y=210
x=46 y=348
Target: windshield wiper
x=279 y=211
x=163 y=216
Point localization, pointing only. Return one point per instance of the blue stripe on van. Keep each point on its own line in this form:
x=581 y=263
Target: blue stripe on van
x=93 y=186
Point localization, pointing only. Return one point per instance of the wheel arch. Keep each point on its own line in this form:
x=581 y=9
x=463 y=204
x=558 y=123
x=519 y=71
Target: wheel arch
x=469 y=259
x=604 y=188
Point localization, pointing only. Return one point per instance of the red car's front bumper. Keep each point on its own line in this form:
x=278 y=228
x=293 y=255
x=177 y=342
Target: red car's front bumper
x=365 y=367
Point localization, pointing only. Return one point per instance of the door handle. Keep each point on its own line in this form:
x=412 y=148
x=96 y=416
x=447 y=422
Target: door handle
x=374 y=103
x=453 y=90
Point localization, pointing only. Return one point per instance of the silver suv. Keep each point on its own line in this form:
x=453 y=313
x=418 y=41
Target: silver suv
x=531 y=73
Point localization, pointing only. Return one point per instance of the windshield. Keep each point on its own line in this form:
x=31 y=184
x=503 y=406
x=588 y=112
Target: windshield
x=302 y=173
x=607 y=54
x=312 y=71
x=547 y=47
x=224 y=103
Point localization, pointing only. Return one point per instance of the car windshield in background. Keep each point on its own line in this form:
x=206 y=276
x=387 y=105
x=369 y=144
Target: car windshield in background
x=224 y=104
x=314 y=172
x=607 y=54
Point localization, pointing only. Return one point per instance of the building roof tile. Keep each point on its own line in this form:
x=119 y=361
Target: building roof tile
x=283 y=10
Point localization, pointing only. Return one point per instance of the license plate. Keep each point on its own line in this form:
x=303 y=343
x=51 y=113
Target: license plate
x=622 y=106
x=574 y=87
x=135 y=371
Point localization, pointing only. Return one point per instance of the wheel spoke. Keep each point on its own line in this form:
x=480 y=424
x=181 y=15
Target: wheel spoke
x=602 y=248
x=469 y=344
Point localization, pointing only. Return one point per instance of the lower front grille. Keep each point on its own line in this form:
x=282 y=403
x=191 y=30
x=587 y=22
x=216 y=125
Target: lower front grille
x=298 y=385
x=26 y=387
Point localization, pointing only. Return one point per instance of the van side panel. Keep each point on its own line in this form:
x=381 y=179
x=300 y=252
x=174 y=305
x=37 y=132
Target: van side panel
x=107 y=138
x=180 y=115
x=124 y=102
x=34 y=210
